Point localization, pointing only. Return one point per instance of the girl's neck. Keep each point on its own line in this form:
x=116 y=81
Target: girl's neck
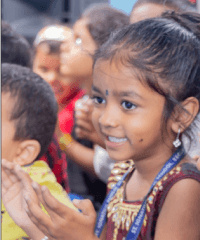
x=149 y=167
x=144 y=174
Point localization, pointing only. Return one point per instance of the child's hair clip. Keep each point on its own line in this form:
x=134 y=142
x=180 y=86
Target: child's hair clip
x=53 y=32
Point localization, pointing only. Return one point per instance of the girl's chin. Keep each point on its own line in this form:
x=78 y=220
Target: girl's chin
x=117 y=157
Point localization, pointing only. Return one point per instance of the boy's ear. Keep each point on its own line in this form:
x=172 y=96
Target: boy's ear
x=27 y=152
x=183 y=119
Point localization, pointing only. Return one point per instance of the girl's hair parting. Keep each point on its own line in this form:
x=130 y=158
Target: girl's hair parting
x=102 y=20
x=176 y=5
x=164 y=53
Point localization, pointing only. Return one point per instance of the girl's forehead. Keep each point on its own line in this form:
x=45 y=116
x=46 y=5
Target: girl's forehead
x=120 y=80
x=107 y=70
x=114 y=76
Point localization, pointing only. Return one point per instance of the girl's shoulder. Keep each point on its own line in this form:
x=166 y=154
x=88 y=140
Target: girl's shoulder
x=176 y=202
x=175 y=187
x=184 y=171
x=162 y=188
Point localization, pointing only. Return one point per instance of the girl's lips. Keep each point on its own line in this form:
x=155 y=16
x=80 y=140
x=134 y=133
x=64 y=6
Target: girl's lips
x=115 y=142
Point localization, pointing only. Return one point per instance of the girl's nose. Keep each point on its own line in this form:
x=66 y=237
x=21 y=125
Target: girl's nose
x=109 y=118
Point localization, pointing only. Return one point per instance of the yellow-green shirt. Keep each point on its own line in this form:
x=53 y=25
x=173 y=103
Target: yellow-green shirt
x=39 y=172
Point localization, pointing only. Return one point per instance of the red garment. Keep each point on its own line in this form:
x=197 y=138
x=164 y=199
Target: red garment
x=66 y=118
x=56 y=160
x=121 y=213
x=54 y=157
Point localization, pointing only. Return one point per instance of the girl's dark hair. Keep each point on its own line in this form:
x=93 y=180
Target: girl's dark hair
x=35 y=108
x=177 y=5
x=102 y=20
x=164 y=52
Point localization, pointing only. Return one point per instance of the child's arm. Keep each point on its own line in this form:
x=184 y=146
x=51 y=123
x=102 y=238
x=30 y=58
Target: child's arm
x=81 y=155
x=179 y=218
x=12 y=196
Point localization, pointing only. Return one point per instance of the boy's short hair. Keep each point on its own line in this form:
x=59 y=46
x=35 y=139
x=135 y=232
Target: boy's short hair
x=14 y=47
x=35 y=107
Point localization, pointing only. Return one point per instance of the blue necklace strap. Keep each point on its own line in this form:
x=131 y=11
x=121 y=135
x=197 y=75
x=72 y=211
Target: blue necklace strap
x=138 y=221
x=169 y=165
x=101 y=219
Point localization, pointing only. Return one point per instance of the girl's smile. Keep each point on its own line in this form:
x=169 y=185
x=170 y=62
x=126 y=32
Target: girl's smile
x=114 y=142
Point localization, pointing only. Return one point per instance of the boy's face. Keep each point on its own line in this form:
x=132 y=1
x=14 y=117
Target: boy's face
x=48 y=67
x=9 y=145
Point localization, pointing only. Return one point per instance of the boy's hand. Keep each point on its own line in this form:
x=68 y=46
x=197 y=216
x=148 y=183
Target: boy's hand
x=84 y=126
x=12 y=195
x=62 y=222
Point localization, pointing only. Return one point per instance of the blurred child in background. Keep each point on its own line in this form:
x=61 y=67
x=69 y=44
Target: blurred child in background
x=46 y=63
x=14 y=47
x=144 y=9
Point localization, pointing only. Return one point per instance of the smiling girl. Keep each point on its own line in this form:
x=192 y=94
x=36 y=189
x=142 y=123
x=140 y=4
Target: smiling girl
x=146 y=94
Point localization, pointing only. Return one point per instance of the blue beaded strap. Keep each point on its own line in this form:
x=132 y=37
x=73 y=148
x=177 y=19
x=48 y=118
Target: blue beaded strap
x=138 y=221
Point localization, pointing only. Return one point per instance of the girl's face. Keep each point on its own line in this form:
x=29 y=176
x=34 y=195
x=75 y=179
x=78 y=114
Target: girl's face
x=127 y=114
x=48 y=67
x=76 y=60
x=147 y=10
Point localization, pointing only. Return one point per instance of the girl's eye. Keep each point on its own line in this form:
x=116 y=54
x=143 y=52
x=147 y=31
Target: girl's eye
x=78 y=41
x=128 y=105
x=98 y=100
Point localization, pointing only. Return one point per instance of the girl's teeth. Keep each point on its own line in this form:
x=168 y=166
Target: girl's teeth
x=116 y=140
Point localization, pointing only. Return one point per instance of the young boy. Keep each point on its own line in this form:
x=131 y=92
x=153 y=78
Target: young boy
x=29 y=115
